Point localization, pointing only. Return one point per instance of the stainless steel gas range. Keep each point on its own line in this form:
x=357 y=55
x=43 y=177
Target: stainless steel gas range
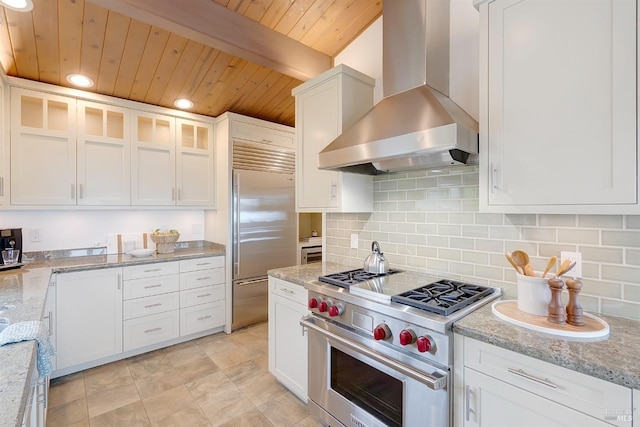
x=380 y=346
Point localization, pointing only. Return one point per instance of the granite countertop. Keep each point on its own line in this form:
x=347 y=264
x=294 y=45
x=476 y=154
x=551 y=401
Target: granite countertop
x=23 y=295
x=613 y=359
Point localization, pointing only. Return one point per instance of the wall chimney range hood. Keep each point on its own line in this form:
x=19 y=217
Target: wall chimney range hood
x=416 y=125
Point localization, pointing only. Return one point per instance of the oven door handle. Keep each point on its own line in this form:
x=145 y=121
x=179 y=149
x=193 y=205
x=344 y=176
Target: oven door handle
x=434 y=383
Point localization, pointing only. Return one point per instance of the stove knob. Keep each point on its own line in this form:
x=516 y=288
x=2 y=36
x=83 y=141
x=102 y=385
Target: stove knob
x=425 y=344
x=336 y=310
x=407 y=336
x=323 y=306
x=381 y=332
x=313 y=303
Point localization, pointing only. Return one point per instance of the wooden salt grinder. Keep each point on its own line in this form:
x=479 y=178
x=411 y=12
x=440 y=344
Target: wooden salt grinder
x=574 y=309
x=557 y=313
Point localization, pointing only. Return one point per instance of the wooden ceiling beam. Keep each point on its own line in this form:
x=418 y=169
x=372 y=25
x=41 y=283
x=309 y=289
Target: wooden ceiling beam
x=216 y=26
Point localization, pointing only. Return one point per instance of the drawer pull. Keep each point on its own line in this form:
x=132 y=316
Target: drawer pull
x=202 y=263
x=204 y=278
x=153 y=305
x=203 y=296
x=148 y=331
x=523 y=374
x=467 y=400
x=204 y=317
x=152 y=286
x=288 y=291
x=152 y=270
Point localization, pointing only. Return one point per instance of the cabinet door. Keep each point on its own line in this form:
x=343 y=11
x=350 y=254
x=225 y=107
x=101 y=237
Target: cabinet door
x=43 y=148
x=561 y=100
x=317 y=123
x=493 y=403
x=194 y=163
x=89 y=316
x=153 y=159
x=104 y=155
x=287 y=342
x=4 y=141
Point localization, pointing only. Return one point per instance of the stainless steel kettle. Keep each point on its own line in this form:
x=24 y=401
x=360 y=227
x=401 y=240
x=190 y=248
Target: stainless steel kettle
x=376 y=263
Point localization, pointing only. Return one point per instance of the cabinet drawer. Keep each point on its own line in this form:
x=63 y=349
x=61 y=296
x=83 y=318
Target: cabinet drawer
x=201 y=317
x=198 y=279
x=265 y=135
x=201 y=264
x=288 y=290
x=138 y=288
x=152 y=329
x=150 y=270
x=202 y=295
x=582 y=392
x=150 y=305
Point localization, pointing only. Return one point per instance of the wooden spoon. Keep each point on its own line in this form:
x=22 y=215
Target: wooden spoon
x=567 y=268
x=513 y=264
x=552 y=261
x=521 y=258
x=563 y=266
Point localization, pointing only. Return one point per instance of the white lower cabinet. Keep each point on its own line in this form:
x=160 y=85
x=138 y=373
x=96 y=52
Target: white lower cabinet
x=202 y=294
x=287 y=339
x=102 y=315
x=88 y=316
x=504 y=388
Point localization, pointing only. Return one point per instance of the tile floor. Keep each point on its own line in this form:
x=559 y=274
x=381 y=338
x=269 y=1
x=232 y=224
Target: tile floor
x=218 y=380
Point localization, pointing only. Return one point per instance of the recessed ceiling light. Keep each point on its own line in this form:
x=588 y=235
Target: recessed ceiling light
x=19 y=5
x=79 y=80
x=183 y=103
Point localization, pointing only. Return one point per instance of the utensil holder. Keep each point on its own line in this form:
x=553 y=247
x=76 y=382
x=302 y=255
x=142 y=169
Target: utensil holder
x=533 y=294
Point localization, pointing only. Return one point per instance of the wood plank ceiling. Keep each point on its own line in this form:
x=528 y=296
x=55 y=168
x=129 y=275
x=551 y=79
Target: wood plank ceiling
x=131 y=59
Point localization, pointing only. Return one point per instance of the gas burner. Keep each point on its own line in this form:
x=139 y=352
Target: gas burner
x=347 y=278
x=443 y=297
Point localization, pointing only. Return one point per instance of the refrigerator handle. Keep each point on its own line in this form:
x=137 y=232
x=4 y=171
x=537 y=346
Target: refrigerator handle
x=236 y=223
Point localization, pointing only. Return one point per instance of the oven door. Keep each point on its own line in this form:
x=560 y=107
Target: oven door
x=358 y=386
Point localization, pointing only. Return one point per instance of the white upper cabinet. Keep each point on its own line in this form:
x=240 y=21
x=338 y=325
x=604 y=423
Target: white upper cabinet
x=153 y=159
x=4 y=148
x=325 y=106
x=194 y=169
x=43 y=148
x=104 y=155
x=558 y=106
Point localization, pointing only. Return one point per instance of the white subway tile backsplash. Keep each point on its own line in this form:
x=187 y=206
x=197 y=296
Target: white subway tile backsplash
x=539 y=234
x=629 y=275
x=577 y=235
x=600 y=221
x=633 y=222
x=429 y=221
x=557 y=221
x=632 y=256
x=621 y=238
x=601 y=254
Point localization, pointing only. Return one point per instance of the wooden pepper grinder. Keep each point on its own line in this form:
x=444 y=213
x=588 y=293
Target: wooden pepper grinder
x=574 y=309
x=557 y=313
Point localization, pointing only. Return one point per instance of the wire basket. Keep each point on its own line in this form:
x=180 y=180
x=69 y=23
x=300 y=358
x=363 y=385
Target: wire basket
x=164 y=242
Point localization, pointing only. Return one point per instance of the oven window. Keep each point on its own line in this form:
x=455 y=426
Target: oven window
x=372 y=390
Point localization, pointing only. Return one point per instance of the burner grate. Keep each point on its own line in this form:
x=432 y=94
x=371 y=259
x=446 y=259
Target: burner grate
x=443 y=297
x=347 y=278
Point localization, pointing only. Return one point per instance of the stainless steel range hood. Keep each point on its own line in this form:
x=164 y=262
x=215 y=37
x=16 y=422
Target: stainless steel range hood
x=415 y=125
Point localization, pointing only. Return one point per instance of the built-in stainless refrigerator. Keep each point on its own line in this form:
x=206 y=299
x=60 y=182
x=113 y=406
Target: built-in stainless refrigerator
x=264 y=234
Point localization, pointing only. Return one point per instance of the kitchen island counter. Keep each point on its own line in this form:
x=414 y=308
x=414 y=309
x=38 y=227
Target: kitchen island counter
x=23 y=293
x=614 y=359
x=301 y=274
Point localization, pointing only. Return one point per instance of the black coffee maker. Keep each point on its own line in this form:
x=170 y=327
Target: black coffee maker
x=11 y=238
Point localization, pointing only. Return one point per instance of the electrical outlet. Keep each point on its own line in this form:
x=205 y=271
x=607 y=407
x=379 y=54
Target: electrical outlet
x=196 y=228
x=576 y=271
x=35 y=235
x=354 y=241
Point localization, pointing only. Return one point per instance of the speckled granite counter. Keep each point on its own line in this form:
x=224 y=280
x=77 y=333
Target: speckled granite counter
x=24 y=290
x=614 y=359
